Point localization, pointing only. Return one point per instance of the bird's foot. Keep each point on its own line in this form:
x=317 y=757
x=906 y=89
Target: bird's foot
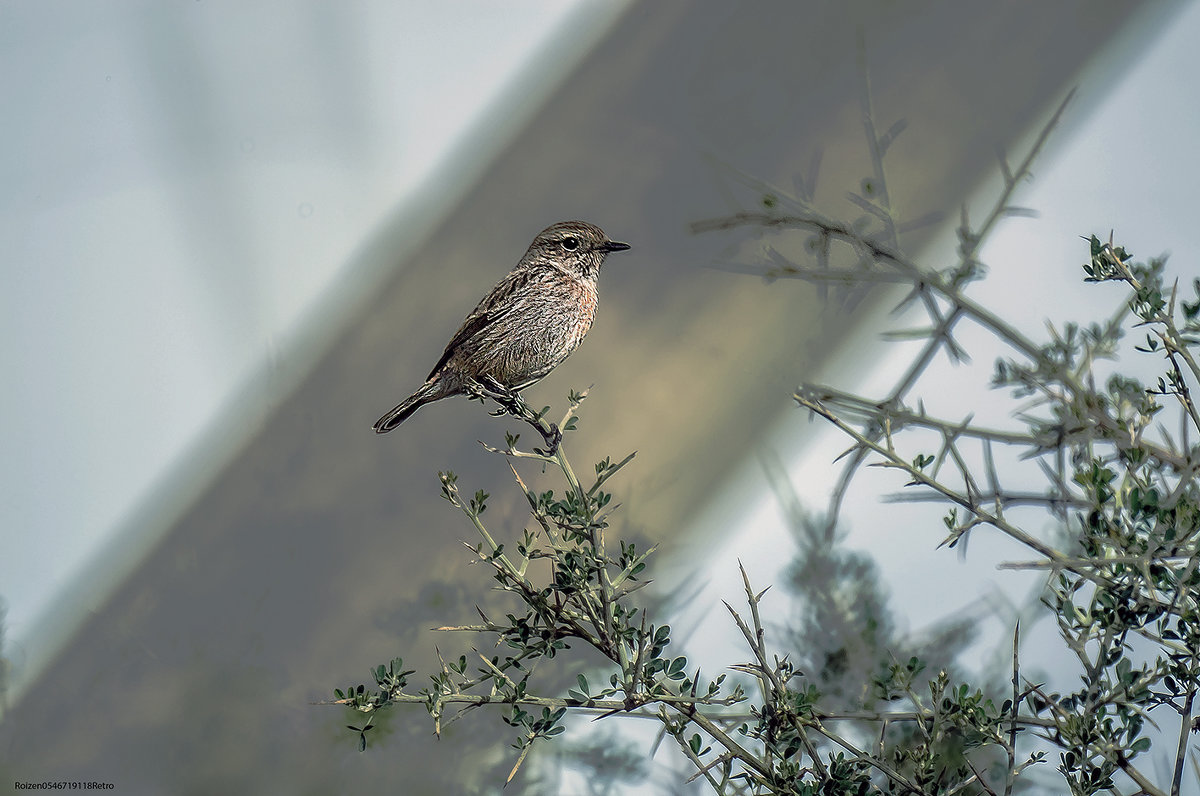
x=553 y=439
x=511 y=403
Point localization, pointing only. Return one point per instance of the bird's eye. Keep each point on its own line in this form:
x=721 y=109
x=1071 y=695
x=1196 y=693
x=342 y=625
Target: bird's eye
x=570 y=244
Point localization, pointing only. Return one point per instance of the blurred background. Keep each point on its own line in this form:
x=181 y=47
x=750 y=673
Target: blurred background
x=235 y=234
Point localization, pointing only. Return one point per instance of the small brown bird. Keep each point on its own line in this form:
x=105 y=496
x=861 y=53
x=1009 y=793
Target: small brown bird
x=528 y=324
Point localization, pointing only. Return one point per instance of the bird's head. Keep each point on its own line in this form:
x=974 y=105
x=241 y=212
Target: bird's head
x=574 y=245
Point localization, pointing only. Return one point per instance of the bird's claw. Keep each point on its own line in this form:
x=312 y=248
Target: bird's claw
x=511 y=403
x=553 y=439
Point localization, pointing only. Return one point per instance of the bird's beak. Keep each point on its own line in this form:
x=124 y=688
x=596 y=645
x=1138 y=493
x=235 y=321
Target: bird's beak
x=614 y=246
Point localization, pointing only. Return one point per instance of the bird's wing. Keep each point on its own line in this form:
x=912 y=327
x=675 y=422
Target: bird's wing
x=472 y=326
x=495 y=305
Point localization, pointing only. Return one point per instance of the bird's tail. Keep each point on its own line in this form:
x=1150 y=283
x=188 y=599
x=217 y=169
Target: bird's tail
x=429 y=392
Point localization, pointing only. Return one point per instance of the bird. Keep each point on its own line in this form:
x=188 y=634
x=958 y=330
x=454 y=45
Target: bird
x=524 y=327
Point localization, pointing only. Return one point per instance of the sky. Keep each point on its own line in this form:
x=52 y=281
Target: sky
x=185 y=188
x=1126 y=162
x=141 y=307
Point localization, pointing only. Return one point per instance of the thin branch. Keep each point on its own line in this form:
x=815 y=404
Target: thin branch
x=1185 y=728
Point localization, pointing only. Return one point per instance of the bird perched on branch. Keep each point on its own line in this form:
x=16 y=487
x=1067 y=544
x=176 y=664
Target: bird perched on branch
x=524 y=327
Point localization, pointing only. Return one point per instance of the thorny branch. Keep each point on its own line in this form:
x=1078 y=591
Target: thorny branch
x=1133 y=495
x=1131 y=568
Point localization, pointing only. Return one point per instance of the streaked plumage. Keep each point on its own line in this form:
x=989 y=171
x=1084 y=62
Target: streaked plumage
x=527 y=324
